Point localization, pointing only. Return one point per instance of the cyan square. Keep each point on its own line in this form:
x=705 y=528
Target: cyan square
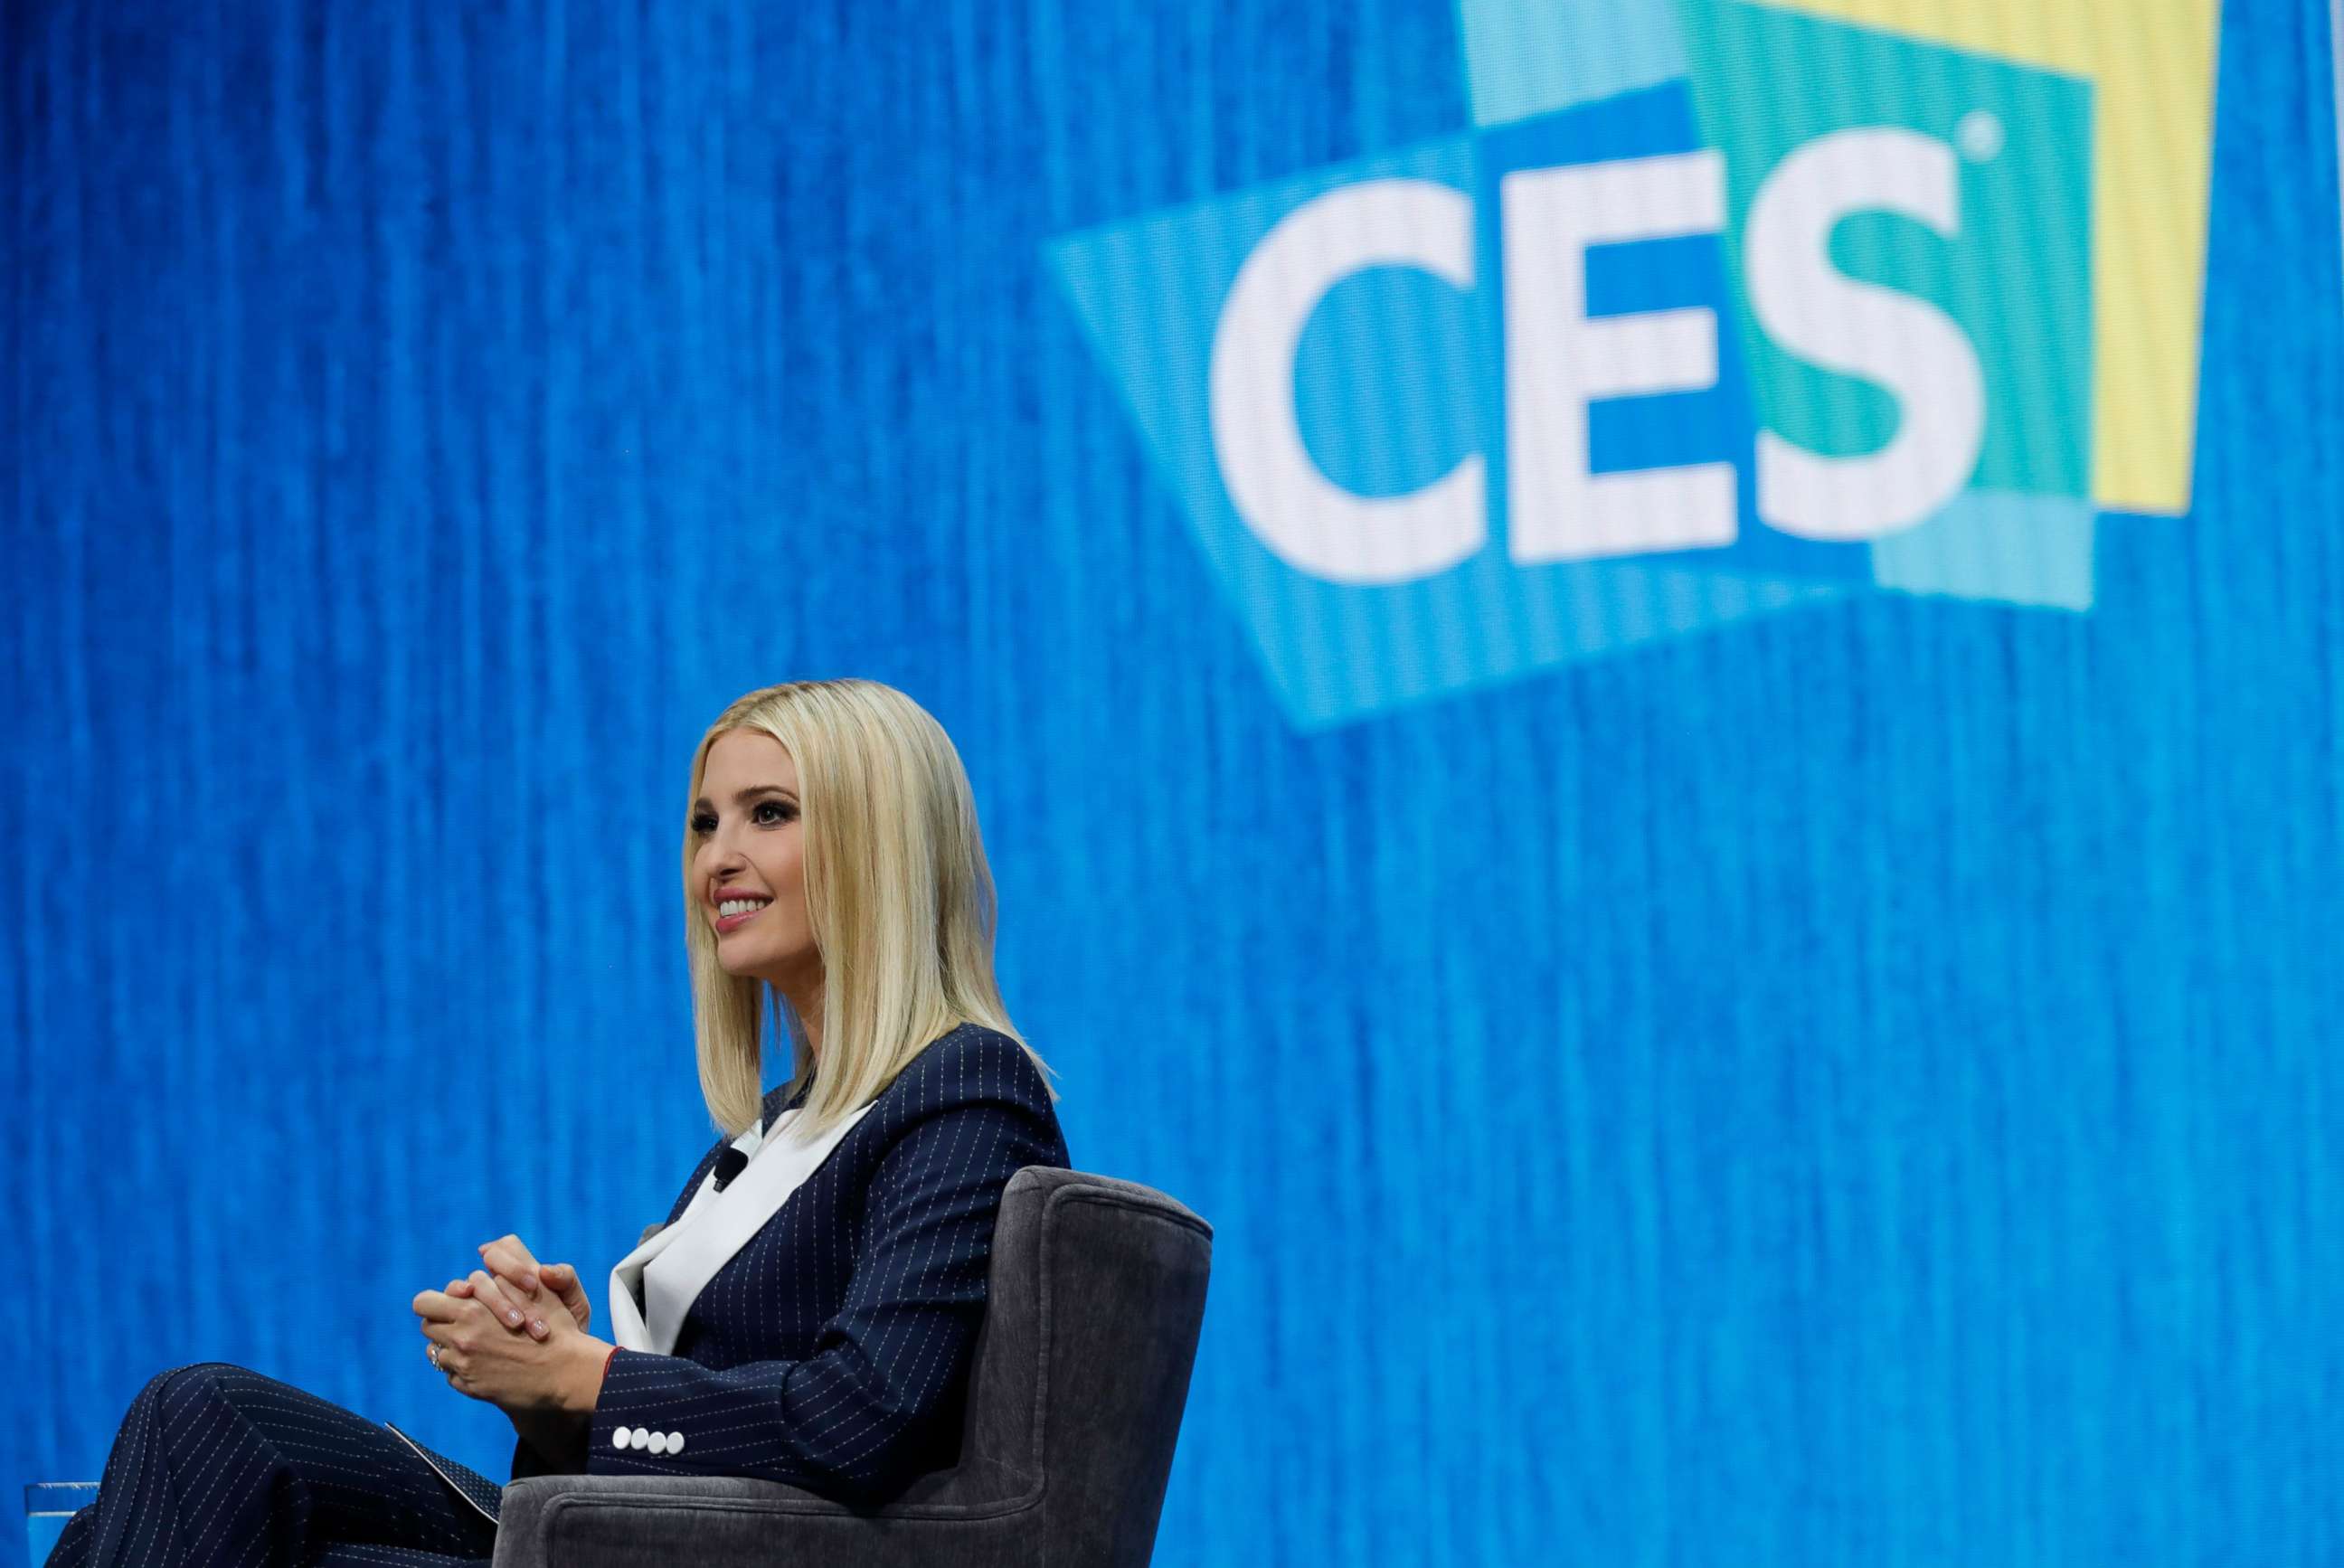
x=1530 y=57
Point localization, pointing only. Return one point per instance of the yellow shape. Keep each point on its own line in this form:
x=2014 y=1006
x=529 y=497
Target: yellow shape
x=2151 y=64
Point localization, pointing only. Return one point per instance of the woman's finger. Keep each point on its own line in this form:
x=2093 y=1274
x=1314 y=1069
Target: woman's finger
x=521 y=1276
x=437 y=1306
x=526 y=1296
x=521 y=1285
x=491 y=1292
x=501 y=1301
x=563 y=1280
x=448 y=1361
x=509 y=1257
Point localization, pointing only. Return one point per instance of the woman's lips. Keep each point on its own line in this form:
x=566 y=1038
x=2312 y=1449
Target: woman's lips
x=727 y=921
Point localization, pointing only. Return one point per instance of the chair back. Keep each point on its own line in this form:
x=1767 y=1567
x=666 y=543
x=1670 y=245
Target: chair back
x=1094 y=1306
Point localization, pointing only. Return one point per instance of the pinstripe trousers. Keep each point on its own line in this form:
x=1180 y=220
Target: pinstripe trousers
x=216 y=1465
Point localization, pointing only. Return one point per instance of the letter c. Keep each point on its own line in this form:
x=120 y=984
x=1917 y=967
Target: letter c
x=1306 y=518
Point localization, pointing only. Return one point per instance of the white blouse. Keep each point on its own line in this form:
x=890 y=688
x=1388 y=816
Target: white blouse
x=654 y=1285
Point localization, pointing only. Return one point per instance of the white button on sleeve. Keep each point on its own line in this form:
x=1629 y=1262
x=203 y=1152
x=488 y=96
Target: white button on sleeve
x=675 y=1442
x=659 y=1443
x=617 y=1437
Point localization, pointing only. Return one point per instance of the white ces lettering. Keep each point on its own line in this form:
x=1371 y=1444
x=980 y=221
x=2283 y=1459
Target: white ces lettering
x=1306 y=518
x=1902 y=343
x=1558 y=360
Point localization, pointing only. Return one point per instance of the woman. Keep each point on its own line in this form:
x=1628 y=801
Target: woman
x=808 y=1316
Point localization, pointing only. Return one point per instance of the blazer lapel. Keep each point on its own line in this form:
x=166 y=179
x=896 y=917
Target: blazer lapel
x=627 y=1326
x=706 y=1236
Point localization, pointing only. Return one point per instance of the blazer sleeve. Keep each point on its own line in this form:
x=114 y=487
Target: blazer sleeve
x=526 y=1460
x=856 y=1418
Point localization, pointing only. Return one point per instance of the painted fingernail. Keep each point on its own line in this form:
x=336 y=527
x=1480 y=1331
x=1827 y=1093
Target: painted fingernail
x=512 y=1317
x=537 y=1326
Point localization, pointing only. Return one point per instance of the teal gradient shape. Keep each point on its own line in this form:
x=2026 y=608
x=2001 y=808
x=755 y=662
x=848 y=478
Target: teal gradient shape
x=2016 y=278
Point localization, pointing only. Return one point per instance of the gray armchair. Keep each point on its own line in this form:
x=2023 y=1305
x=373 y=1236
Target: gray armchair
x=1094 y=1301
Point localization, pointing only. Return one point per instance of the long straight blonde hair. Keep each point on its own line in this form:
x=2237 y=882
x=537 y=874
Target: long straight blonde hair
x=898 y=895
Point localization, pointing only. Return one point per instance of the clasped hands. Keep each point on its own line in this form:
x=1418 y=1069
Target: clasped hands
x=513 y=1333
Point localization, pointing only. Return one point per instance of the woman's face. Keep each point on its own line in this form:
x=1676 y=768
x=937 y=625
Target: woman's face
x=751 y=859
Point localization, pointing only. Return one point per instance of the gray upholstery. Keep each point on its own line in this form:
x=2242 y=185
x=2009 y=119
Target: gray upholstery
x=1094 y=1299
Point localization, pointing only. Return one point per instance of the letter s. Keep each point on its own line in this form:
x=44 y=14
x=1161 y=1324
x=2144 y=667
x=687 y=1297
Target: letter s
x=1893 y=339
x=1306 y=518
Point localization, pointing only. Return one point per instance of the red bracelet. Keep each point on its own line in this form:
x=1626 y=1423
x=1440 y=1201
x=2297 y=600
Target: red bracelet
x=606 y=1364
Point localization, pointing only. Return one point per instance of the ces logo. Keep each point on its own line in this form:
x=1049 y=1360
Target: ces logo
x=1720 y=307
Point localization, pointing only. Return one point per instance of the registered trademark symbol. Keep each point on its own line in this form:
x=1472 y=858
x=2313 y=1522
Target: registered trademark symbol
x=1980 y=136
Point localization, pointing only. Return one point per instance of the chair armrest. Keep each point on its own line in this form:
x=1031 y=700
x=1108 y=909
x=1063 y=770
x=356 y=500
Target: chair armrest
x=616 y=1519
x=626 y=1522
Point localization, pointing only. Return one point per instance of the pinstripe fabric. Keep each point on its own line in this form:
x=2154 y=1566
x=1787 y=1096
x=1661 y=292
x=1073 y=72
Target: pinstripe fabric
x=214 y=1464
x=833 y=1351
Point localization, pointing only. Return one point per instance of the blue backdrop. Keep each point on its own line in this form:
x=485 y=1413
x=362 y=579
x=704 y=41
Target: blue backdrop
x=1843 y=1079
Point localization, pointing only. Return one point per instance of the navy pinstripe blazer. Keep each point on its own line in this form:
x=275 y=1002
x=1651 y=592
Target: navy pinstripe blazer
x=833 y=1351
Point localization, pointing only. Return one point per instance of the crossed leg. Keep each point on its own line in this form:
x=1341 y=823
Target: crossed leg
x=214 y=1465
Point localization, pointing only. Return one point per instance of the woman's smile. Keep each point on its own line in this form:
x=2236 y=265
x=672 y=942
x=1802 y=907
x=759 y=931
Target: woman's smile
x=742 y=909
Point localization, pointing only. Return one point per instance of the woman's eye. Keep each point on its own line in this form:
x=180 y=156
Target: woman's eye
x=704 y=823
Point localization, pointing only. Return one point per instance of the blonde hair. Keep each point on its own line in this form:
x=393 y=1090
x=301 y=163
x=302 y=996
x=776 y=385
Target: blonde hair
x=898 y=895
